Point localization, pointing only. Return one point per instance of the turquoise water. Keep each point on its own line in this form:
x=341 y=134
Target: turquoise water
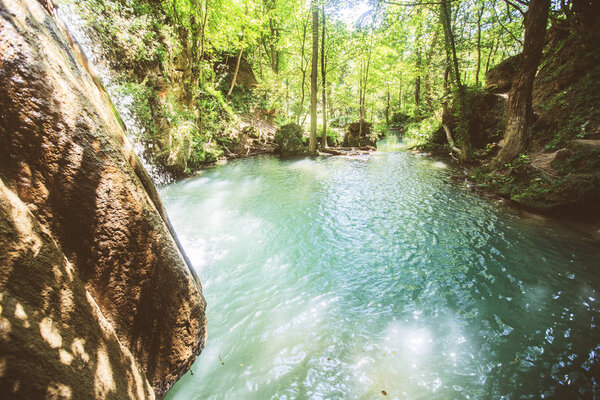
x=344 y=278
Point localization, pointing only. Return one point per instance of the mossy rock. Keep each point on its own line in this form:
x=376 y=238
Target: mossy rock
x=289 y=140
x=357 y=137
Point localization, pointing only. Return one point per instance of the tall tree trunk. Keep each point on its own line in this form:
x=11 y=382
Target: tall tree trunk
x=387 y=107
x=479 y=15
x=400 y=93
x=491 y=54
x=273 y=46
x=428 y=91
x=363 y=83
x=287 y=99
x=418 y=66
x=203 y=31
x=237 y=68
x=519 y=108
x=462 y=126
x=323 y=80
x=361 y=108
x=303 y=69
x=312 y=142
x=260 y=71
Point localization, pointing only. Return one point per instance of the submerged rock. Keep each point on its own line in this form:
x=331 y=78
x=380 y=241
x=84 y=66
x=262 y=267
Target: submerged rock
x=97 y=298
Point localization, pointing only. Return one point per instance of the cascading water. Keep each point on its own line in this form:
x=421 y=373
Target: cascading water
x=99 y=67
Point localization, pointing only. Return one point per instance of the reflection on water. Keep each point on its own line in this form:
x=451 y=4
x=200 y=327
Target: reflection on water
x=338 y=278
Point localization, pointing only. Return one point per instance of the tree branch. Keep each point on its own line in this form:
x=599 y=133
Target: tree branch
x=506 y=29
x=420 y=3
x=516 y=7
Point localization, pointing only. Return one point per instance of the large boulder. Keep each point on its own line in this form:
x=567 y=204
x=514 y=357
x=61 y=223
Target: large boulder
x=289 y=141
x=357 y=137
x=487 y=116
x=245 y=76
x=97 y=299
x=500 y=77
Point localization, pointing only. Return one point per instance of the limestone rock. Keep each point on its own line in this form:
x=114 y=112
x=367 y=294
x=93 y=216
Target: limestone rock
x=97 y=298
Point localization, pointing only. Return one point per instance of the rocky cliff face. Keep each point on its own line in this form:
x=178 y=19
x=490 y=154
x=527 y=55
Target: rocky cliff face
x=97 y=299
x=559 y=173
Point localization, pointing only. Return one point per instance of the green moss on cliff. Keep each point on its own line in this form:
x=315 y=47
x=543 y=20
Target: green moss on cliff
x=171 y=101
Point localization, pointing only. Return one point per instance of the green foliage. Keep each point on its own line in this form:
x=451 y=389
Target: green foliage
x=138 y=96
x=573 y=111
x=176 y=44
x=334 y=137
x=399 y=119
x=341 y=122
x=422 y=131
x=129 y=31
x=289 y=138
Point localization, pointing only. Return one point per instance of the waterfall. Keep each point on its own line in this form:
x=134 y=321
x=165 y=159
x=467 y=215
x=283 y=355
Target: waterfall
x=99 y=68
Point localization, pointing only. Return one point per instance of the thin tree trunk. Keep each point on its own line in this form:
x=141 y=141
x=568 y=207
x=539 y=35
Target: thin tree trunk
x=203 y=32
x=400 y=93
x=360 y=98
x=273 y=46
x=363 y=95
x=418 y=66
x=312 y=142
x=428 y=91
x=519 y=106
x=461 y=103
x=387 y=107
x=491 y=54
x=323 y=79
x=445 y=112
x=303 y=68
x=237 y=68
x=287 y=99
x=260 y=62
x=479 y=15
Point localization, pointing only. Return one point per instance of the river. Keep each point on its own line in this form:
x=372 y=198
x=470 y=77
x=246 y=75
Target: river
x=379 y=277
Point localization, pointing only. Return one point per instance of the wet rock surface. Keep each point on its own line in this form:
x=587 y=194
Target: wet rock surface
x=97 y=298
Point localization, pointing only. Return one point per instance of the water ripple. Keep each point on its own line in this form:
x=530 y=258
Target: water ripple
x=339 y=278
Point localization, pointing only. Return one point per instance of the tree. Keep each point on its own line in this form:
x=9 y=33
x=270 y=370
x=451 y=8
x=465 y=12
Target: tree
x=479 y=15
x=303 y=67
x=418 y=64
x=312 y=143
x=428 y=70
x=323 y=78
x=461 y=102
x=365 y=64
x=237 y=65
x=519 y=106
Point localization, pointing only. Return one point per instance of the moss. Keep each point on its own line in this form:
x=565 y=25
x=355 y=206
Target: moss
x=530 y=187
x=139 y=98
x=289 y=139
x=152 y=78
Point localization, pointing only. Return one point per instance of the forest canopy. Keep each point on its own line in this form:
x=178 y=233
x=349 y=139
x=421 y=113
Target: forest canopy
x=198 y=65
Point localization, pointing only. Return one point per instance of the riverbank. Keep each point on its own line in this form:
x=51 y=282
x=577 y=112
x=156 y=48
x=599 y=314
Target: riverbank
x=580 y=219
